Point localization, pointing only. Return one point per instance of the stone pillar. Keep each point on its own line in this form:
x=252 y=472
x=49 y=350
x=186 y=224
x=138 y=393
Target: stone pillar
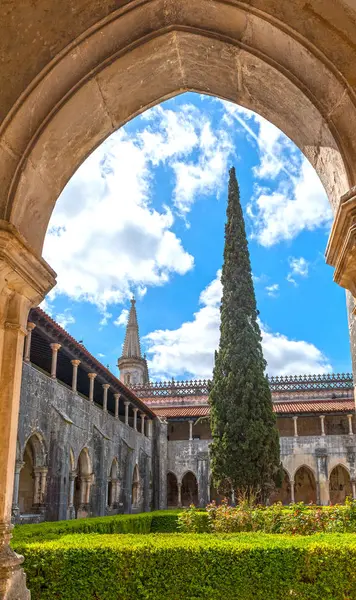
x=203 y=478
x=190 y=430
x=135 y=411
x=25 y=279
x=179 y=494
x=127 y=404
x=105 y=396
x=350 y=424
x=75 y=364
x=292 y=497
x=322 y=423
x=142 y=415
x=323 y=493
x=149 y=428
x=15 y=498
x=353 y=485
x=54 y=348
x=91 y=386
x=71 y=509
x=30 y=328
x=295 y=423
x=117 y=399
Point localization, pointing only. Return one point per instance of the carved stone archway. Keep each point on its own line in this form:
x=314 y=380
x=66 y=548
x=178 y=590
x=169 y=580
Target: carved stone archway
x=92 y=66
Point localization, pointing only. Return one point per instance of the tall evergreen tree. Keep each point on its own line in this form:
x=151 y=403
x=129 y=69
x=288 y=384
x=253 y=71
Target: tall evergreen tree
x=245 y=450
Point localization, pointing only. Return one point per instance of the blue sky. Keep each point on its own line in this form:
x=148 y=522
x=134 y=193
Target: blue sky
x=145 y=214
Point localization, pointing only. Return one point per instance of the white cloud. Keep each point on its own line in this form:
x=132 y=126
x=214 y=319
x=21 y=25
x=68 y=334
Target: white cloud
x=65 y=318
x=299 y=268
x=122 y=318
x=189 y=350
x=272 y=290
x=105 y=239
x=299 y=202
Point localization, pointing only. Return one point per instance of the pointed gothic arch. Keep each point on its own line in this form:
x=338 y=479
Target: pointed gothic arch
x=33 y=475
x=339 y=485
x=83 y=483
x=284 y=493
x=189 y=489
x=305 y=485
x=113 y=487
x=172 y=490
x=136 y=488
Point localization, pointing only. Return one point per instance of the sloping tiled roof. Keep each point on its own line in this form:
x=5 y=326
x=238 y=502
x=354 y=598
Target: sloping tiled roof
x=280 y=408
x=37 y=314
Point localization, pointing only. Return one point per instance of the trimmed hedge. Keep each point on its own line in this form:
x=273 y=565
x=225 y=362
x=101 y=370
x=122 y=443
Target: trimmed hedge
x=242 y=566
x=159 y=521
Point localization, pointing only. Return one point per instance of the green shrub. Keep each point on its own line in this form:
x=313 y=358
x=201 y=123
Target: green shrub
x=210 y=567
x=294 y=519
x=164 y=521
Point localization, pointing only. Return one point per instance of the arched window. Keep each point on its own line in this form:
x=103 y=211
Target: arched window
x=127 y=378
x=339 y=485
x=189 y=489
x=113 y=485
x=136 y=488
x=172 y=490
x=83 y=483
x=33 y=476
x=305 y=486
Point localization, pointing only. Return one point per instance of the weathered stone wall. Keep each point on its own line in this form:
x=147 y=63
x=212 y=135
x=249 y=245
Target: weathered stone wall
x=64 y=422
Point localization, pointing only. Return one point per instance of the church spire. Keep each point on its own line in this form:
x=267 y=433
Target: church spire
x=133 y=368
x=132 y=348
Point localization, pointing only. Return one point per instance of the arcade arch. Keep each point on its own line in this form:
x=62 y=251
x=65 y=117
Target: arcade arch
x=33 y=476
x=136 y=488
x=113 y=485
x=189 y=489
x=283 y=494
x=172 y=490
x=339 y=485
x=83 y=482
x=305 y=486
x=90 y=75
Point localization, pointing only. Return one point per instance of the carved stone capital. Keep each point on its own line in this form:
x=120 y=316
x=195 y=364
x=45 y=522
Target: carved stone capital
x=341 y=248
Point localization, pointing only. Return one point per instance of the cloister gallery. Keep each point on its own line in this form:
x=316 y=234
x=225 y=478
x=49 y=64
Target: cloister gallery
x=73 y=72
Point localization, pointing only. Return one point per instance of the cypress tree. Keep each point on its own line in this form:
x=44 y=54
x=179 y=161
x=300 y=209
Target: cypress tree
x=245 y=449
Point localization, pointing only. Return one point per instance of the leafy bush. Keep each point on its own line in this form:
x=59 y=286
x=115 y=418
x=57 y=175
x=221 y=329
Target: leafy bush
x=295 y=519
x=252 y=566
x=159 y=521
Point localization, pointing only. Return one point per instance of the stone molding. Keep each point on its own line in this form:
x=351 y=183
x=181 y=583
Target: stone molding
x=341 y=248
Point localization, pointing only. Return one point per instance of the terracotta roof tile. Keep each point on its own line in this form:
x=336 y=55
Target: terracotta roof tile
x=326 y=406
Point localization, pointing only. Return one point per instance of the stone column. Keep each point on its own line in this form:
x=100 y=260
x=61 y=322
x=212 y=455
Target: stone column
x=117 y=399
x=353 y=485
x=322 y=423
x=91 y=386
x=135 y=411
x=323 y=493
x=127 y=404
x=15 y=498
x=190 y=430
x=105 y=396
x=295 y=423
x=72 y=478
x=54 y=348
x=350 y=424
x=179 y=494
x=149 y=428
x=30 y=328
x=142 y=415
x=292 y=497
x=75 y=364
x=25 y=279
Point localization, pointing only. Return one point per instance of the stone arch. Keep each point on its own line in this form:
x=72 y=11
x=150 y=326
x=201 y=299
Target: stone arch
x=33 y=475
x=214 y=495
x=136 y=488
x=309 y=100
x=339 y=485
x=305 y=485
x=284 y=493
x=189 y=490
x=172 y=489
x=83 y=483
x=113 y=487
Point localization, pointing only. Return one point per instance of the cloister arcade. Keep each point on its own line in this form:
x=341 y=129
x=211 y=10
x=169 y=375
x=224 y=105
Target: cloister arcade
x=65 y=89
